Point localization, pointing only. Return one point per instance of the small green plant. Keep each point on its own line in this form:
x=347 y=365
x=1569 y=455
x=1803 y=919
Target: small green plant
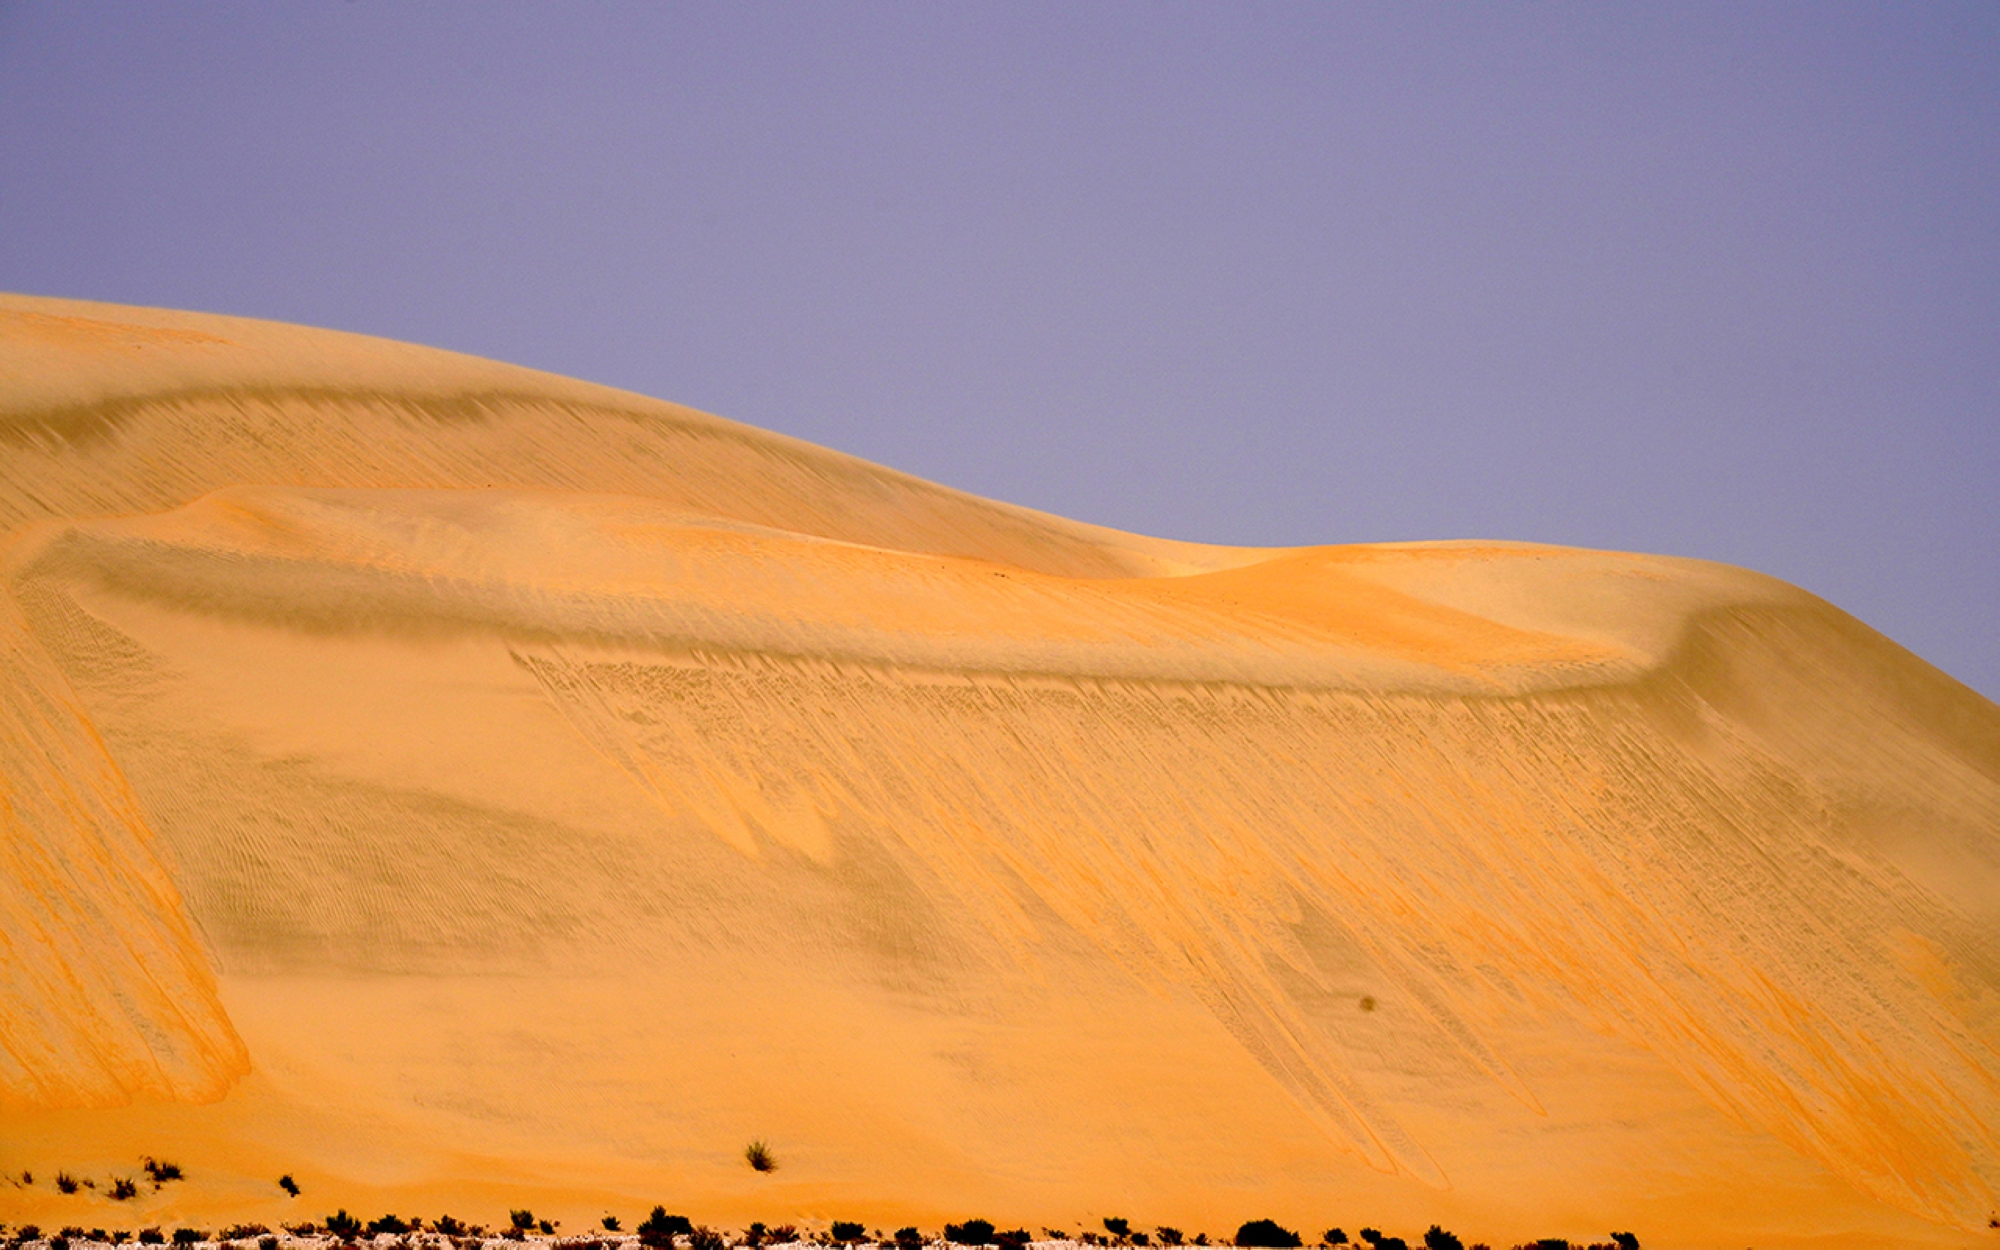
x=123 y=1189
x=758 y=1155
x=970 y=1233
x=1266 y=1233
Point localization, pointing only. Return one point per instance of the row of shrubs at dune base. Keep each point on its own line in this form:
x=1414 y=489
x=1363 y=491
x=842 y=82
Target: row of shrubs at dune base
x=664 y=1231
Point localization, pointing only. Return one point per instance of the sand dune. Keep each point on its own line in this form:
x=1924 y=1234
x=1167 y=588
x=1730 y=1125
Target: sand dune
x=462 y=787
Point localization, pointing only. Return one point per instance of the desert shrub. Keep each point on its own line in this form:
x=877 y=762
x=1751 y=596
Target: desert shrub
x=151 y=1237
x=758 y=1155
x=65 y=1183
x=1436 y=1238
x=704 y=1238
x=27 y=1178
x=1013 y=1238
x=58 y=1242
x=847 y=1230
x=189 y=1236
x=242 y=1232
x=342 y=1225
x=28 y=1232
x=523 y=1220
x=909 y=1237
x=267 y=1242
x=1169 y=1235
x=122 y=1189
x=660 y=1229
x=1117 y=1226
x=1201 y=1239
x=1266 y=1233
x=1333 y=1237
x=72 y=1232
x=1625 y=1241
x=1550 y=1243
x=970 y=1233
x=610 y=1223
x=289 y=1185
x=391 y=1224
x=548 y=1227
x=307 y=1229
x=161 y=1171
x=99 y=1235
x=1140 y=1239
x=782 y=1235
x=448 y=1226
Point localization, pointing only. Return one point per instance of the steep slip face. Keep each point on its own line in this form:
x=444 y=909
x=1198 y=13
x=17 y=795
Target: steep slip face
x=690 y=786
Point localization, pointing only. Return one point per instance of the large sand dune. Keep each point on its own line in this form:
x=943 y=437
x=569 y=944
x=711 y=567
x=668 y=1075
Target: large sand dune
x=461 y=787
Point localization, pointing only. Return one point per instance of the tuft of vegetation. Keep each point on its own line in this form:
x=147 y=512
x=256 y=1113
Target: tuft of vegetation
x=1333 y=1237
x=27 y=1178
x=58 y=1242
x=342 y=1225
x=705 y=1238
x=1118 y=1227
x=389 y=1224
x=1201 y=1239
x=1140 y=1239
x=1013 y=1239
x=242 y=1232
x=1266 y=1233
x=1168 y=1235
x=1625 y=1241
x=610 y=1223
x=758 y=1155
x=1435 y=1238
x=970 y=1233
x=844 y=1231
x=447 y=1226
x=28 y=1232
x=660 y=1229
x=909 y=1237
x=523 y=1220
x=548 y=1227
x=120 y=1236
x=65 y=1183
x=267 y=1242
x=289 y=1185
x=122 y=1189
x=189 y=1236
x=162 y=1171
x=72 y=1232
x=152 y=1237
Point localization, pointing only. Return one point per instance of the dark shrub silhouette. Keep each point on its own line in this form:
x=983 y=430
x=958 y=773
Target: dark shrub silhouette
x=28 y=1232
x=151 y=1237
x=189 y=1236
x=342 y=1225
x=289 y=1185
x=847 y=1230
x=1169 y=1235
x=122 y=1189
x=389 y=1224
x=242 y=1232
x=1266 y=1233
x=448 y=1226
x=267 y=1243
x=1333 y=1237
x=1140 y=1239
x=1625 y=1241
x=970 y=1233
x=1117 y=1226
x=523 y=1220
x=909 y=1237
x=705 y=1238
x=660 y=1229
x=1436 y=1238
x=548 y=1227
x=1013 y=1238
x=72 y=1232
x=162 y=1172
x=758 y=1155
x=782 y=1235
x=610 y=1223
x=66 y=1183
x=58 y=1242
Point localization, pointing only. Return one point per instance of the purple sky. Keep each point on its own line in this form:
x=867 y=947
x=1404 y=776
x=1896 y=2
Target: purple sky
x=1715 y=281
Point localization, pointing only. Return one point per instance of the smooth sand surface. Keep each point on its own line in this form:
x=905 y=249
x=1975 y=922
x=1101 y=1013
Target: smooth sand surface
x=464 y=788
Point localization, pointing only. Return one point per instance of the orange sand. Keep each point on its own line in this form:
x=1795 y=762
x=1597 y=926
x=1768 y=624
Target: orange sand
x=461 y=788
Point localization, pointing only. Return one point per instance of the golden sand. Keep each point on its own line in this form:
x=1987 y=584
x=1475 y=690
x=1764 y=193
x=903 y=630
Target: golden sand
x=464 y=788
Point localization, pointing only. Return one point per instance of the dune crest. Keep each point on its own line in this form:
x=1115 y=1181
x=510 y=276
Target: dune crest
x=444 y=781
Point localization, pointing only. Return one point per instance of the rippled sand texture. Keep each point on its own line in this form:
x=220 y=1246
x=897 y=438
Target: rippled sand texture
x=459 y=786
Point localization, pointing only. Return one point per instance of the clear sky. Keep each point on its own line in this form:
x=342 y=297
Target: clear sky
x=1719 y=281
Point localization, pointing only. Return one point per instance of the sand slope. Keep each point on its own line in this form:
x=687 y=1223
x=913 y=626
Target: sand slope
x=462 y=787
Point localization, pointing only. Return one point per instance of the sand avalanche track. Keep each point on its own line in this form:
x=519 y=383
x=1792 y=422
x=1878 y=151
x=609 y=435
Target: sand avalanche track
x=455 y=785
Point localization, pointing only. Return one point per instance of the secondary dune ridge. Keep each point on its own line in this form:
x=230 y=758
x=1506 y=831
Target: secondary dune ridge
x=453 y=784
